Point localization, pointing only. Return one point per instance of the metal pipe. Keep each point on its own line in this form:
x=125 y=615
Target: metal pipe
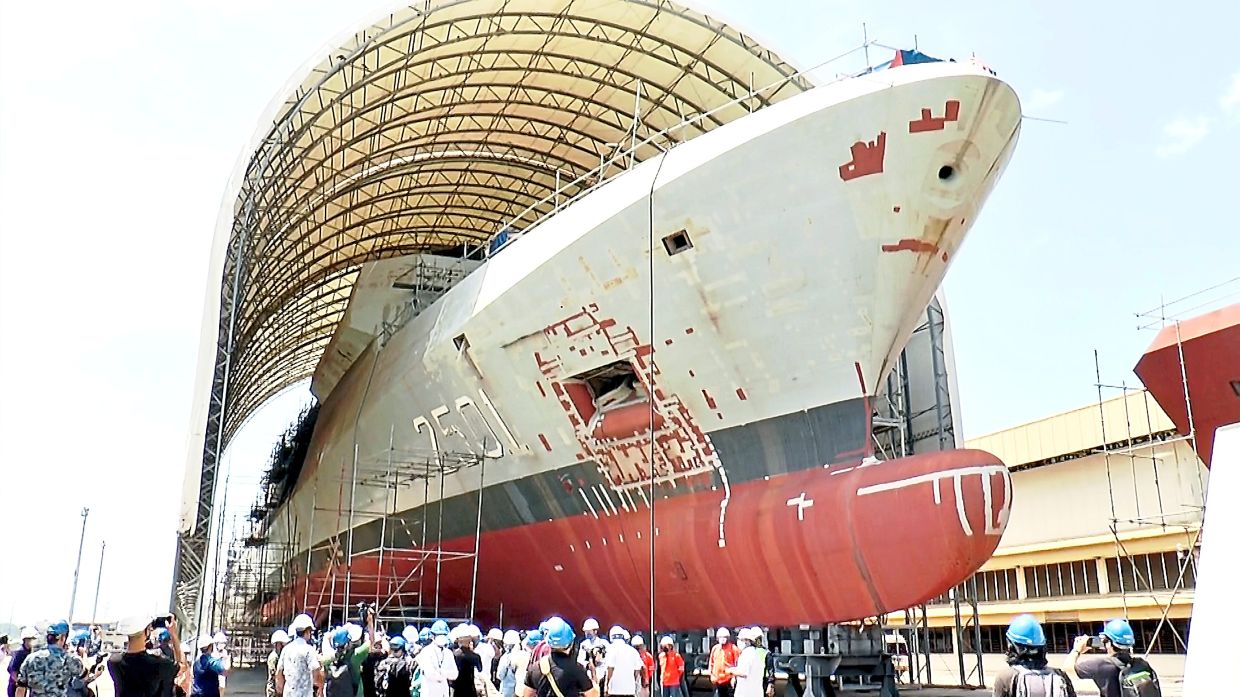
x=78 y=567
x=103 y=547
x=473 y=588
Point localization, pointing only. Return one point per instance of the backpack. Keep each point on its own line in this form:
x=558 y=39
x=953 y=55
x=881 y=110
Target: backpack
x=340 y=682
x=1039 y=682
x=1138 y=679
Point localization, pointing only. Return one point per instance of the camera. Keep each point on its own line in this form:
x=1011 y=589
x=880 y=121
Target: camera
x=364 y=610
x=1095 y=643
x=161 y=622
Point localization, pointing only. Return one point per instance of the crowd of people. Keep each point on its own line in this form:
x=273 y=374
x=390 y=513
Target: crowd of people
x=443 y=661
x=353 y=660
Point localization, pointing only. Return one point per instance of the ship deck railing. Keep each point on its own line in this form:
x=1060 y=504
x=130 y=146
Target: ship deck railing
x=591 y=180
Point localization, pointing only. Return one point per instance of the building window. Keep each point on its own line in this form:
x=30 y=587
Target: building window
x=1150 y=572
x=1062 y=579
x=992 y=587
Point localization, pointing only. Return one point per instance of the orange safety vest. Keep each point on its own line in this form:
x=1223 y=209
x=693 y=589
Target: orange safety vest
x=722 y=657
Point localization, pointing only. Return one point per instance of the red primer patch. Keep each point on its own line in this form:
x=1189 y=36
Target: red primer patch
x=710 y=401
x=689 y=330
x=912 y=245
x=740 y=392
x=546 y=445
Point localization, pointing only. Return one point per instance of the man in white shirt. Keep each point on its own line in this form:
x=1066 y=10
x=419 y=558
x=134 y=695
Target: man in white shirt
x=748 y=668
x=299 y=672
x=624 y=665
x=437 y=664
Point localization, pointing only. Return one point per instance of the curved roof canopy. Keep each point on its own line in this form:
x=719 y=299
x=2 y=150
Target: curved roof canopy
x=429 y=130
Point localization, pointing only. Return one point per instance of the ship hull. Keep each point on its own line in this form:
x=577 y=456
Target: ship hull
x=743 y=295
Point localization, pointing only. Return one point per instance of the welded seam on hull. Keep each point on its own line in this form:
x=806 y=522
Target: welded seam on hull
x=723 y=505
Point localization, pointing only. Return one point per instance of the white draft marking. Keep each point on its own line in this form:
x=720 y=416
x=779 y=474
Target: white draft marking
x=994 y=523
x=801 y=503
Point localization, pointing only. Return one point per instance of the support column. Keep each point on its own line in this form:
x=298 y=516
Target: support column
x=1104 y=580
x=1021 y=592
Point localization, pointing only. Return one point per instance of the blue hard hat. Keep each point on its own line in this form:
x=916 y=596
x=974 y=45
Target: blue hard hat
x=1025 y=631
x=80 y=637
x=340 y=638
x=426 y=634
x=59 y=628
x=398 y=642
x=1120 y=633
x=533 y=637
x=439 y=628
x=560 y=634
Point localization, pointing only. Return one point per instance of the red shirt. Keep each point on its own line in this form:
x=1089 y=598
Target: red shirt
x=649 y=661
x=673 y=667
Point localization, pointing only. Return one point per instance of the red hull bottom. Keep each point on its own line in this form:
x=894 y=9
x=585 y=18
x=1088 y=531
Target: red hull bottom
x=816 y=546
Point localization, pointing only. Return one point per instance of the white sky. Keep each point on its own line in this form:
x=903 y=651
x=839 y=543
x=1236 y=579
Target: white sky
x=121 y=122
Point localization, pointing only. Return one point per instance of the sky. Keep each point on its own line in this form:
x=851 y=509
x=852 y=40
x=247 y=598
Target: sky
x=120 y=124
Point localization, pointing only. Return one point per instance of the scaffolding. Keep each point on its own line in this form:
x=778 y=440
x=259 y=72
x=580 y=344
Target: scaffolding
x=1136 y=450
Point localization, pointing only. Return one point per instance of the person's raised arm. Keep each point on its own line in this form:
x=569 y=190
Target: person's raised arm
x=1080 y=646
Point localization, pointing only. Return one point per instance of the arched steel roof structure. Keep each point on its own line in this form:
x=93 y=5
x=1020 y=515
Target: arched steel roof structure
x=428 y=130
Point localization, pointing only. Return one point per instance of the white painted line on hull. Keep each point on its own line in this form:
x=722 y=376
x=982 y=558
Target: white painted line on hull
x=938 y=496
x=964 y=518
x=801 y=503
x=588 y=504
x=922 y=478
x=723 y=505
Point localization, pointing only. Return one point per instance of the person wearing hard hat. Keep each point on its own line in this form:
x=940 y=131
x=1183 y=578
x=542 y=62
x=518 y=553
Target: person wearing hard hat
x=1114 y=669
x=1027 y=672
x=723 y=658
x=343 y=665
x=748 y=668
x=299 y=672
x=48 y=671
x=28 y=635
x=511 y=666
x=394 y=676
x=436 y=663
x=279 y=639
x=592 y=654
x=624 y=666
x=219 y=650
x=138 y=673
x=671 y=668
x=468 y=662
x=765 y=660
x=208 y=669
x=639 y=644
x=79 y=686
x=557 y=674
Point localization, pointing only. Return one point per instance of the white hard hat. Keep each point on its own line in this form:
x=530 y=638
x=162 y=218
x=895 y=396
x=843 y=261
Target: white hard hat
x=590 y=625
x=667 y=641
x=496 y=634
x=220 y=638
x=473 y=630
x=755 y=632
x=355 y=631
x=511 y=638
x=410 y=634
x=639 y=641
x=204 y=641
x=133 y=625
x=29 y=633
x=723 y=633
x=279 y=637
x=300 y=622
x=617 y=631
x=745 y=634
x=457 y=632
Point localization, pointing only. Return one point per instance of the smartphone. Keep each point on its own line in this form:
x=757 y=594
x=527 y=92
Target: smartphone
x=1095 y=643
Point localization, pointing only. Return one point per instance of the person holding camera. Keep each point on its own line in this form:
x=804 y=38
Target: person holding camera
x=80 y=686
x=138 y=673
x=1114 y=669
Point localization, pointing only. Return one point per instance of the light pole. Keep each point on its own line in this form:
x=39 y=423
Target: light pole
x=103 y=547
x=77 y=567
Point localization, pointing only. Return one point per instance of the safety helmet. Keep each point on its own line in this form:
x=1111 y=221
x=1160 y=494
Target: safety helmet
x=205 y=641
x=590 y=625
x=439 y=628
x=1120 y=633
x=80 y=637
x=409 y=634
x=723 y=633
x=560 y=634
x=340 y=638
x=638 y=640
x=511 y=638
x=300 y=623
x=29 y=633
x=532 y=637
x=617 y=632
x=398 y=643
x=1025 y=631
x=667 y=641
x=279 y=637
x=161 y=634
x=425 y=636
x=220 y=639
x=473 y=631
x=495 y=634
x=457 y=632
x=58 y=628
x=355 y=631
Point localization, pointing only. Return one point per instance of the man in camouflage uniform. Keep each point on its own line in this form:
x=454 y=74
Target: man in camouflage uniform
x=48 y=672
